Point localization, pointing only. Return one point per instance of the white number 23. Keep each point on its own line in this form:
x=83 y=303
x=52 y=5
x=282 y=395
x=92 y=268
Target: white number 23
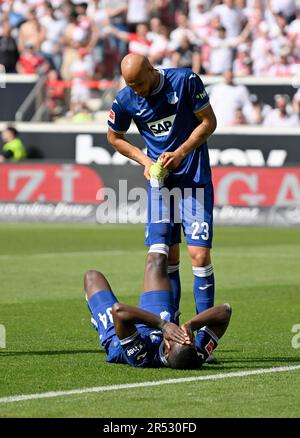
x=204 y=229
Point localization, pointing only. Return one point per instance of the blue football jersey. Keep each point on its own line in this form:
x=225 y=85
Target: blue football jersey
x=143 y=349
x=165 y=119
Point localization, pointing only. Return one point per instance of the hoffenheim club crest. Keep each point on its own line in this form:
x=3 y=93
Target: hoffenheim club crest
x=172 y=98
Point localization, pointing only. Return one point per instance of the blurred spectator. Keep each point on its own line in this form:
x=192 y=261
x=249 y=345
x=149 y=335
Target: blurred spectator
x=242 y=65
x=9 y=53
x=54 y=95
x=30 y=62
x=83 y=31
x=16 y=11
x=278 y=35
x=221 y=49
x=166 y=11
x=232 y=17
x=226 y=98
x=117 y=12
x=282 y=115
x=138 y=41
x=199 y=17
x=261 y=50
x=105 y=55
x=296 y=103
x=31 y=31
x=182 y=30
x=82 y=71
x=239 y=118
x=159 y=37
x=138 y=12
x=187 y=55
x=285 y=7
x=255 y=111
x=70 y=43
x=54 y=28
x=293 y=30
x=13 y=147
x=81 y=113
x=284 y=65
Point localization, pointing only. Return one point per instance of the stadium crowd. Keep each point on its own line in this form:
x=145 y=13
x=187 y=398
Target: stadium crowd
x=81 y=42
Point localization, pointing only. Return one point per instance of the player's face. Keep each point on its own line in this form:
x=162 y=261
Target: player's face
x=143 y=83
x=142 y=86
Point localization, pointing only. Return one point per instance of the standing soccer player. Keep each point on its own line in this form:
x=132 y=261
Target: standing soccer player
x=171 y=110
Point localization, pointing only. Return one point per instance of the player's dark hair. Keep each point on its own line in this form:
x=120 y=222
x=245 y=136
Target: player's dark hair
x=183 y=357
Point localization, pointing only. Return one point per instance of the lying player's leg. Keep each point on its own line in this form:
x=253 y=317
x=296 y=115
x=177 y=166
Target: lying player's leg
x=163 y=238
x=157 y=296
x=95 y=281
x=100 y=301
x=174 y=274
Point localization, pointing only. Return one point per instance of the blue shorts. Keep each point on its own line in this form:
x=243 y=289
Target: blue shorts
x=142 y=348
x=171 y=209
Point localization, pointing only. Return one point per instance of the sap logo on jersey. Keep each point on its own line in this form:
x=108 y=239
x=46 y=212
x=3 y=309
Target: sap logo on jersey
x=162 y=127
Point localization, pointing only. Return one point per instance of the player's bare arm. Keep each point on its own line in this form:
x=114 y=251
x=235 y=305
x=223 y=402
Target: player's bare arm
x=207 y=125
x=125 y=317
x=124 y=147
x=216 y=319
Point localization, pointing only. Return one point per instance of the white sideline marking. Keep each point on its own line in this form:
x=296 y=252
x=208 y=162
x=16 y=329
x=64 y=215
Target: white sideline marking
x=17 y=398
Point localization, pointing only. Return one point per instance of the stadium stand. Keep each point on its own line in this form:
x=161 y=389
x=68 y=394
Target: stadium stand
x=75 y=49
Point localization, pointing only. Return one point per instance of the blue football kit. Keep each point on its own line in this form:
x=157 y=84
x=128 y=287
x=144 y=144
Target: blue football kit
x=165 y=119
x=145 y=348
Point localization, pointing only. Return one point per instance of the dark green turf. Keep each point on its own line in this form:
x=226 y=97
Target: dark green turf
x=50 y=345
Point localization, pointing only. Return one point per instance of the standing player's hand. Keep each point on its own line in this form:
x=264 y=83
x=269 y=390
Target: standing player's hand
x=171 y=160
x=174 y=333
x=148 y=164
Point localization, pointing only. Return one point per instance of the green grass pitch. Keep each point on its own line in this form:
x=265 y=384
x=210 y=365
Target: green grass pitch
x=51 y=347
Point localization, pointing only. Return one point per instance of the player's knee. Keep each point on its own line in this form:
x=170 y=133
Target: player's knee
x=116 y=308
x=156 y=264
x=200 y=256
x=91 y=278
x=227 y=312
x=200 y=259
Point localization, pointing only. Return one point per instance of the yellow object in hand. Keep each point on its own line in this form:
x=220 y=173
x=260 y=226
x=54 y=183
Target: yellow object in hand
x=157 y=171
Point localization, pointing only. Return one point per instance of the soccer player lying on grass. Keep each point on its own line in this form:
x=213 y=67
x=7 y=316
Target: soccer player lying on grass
x=146 y=336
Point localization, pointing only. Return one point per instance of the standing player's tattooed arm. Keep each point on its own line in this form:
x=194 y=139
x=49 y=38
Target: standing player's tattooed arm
x=122 y=145
x=207 y=125
x=125 y=317
x=216 y=319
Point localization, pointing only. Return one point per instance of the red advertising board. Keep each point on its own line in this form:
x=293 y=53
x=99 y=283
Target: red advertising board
x=263 y=187
x=235 y=186
x=48 y=183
